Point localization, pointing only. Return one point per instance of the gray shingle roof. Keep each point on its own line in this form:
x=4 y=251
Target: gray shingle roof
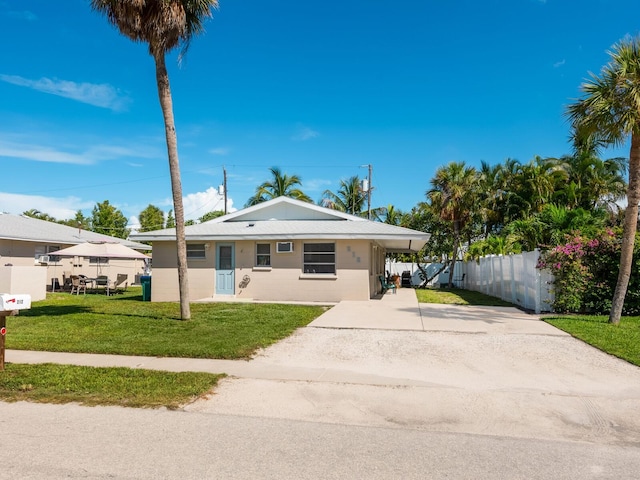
x=331 y=225
x=27 y=229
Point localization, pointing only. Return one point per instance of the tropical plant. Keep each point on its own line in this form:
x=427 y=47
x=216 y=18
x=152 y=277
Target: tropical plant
x=34 y=213
x=453 y=195
x=164 y=25
x=350 y=198
x=280 y=185
x=608 y=114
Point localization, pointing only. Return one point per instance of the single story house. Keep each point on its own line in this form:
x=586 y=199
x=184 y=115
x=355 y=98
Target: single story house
x=30 y=242
x=280 y=250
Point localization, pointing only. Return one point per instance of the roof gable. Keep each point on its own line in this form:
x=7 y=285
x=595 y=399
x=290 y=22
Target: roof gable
x=285 y=208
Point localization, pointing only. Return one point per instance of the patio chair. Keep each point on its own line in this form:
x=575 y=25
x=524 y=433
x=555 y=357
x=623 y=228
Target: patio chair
x=77 y=285
x=387 y=285
x=122 y=278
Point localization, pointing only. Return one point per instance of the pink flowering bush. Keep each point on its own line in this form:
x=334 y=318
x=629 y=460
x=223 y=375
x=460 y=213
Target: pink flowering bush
x=586 y=271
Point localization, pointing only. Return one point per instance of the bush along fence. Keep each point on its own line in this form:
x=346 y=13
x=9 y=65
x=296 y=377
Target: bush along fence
x=585 y=272
x=512 y=278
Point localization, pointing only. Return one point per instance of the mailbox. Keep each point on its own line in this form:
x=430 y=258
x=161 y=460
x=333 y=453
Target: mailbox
x=10 y=302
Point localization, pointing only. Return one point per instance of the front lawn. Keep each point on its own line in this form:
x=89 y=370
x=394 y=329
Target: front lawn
x=125 y=387
x=621 y=340
x=124 y=324
x=458 y=296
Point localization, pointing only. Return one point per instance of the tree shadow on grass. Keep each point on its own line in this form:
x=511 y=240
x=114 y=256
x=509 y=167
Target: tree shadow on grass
x=55 y=310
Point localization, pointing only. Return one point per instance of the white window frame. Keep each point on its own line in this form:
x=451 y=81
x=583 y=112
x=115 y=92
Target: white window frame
x=196 y=251
x=263 y=255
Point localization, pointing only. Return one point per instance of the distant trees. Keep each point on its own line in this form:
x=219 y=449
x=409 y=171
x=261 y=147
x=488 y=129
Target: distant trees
x=280 y=184
x=151 y=218
x=108 y=220
x=210 y=215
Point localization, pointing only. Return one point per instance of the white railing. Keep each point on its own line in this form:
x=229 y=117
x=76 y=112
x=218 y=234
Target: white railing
x=513 y=278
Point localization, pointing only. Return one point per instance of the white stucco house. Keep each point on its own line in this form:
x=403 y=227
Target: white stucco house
x=279 y=250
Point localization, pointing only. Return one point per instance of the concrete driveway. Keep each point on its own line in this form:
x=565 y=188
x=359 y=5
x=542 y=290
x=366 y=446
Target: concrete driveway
x=443 y=368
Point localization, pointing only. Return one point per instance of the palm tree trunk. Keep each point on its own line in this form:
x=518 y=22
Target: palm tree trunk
x=164 y=93
x=456 y=246
x=629 y=231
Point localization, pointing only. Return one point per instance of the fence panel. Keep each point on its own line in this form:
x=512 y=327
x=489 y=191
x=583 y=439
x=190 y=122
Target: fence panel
x=513 y=278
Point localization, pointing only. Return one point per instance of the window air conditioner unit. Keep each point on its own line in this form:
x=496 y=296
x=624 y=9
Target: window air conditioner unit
x=284 y=247
x=43 y=259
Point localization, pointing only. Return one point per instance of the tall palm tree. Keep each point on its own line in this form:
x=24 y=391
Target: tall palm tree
x=608 y=114
x=280 y=185
x=349 y=198
x=164 y=25
x=453 y=194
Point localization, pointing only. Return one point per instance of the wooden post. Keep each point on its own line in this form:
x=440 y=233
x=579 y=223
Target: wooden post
x=3 y=332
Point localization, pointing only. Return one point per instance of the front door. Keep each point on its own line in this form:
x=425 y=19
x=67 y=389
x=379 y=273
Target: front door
x=225 y=269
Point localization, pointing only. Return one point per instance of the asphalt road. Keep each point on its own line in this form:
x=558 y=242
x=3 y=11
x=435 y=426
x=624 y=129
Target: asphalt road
x=68 y=442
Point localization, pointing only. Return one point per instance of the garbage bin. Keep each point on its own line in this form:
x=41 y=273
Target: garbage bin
x=145 y=281
x=406 y=278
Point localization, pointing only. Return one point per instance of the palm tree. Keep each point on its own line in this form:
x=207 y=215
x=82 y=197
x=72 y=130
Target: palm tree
x=349 y=198
x=454 y=195
x=608 y=114
x=164 y=25
x=280 y=185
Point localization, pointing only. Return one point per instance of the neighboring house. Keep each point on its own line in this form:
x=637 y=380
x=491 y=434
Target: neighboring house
x=280 y=250
x=29 y=242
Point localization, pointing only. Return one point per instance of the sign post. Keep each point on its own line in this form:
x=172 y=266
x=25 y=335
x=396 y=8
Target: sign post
x=3 y=332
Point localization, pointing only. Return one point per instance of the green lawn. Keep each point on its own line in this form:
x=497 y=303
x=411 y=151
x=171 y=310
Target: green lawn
x=621 y=340
x=123 y=324
x=457 y=296
x=126 y=387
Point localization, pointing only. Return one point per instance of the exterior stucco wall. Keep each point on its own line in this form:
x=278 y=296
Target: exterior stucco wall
x=29 y=280
x=21 y=253
x=282 y=281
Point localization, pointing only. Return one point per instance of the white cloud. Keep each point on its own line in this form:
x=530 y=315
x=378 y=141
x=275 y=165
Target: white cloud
x=39 y=153
x=220 y=151
x=99 y=95
x=90 y=156
x=304 y=133
x=316 y=185
x=559 y=64
x=199 y=203
x=59 y=208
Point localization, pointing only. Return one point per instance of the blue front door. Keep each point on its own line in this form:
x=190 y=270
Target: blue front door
x=225 y=269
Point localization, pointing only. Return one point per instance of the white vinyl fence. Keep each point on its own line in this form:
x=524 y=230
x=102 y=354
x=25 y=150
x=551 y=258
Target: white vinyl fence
x=513 y=278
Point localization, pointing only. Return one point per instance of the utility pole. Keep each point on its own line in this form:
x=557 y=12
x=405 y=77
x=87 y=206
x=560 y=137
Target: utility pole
x=369 y=193
x=224 y=186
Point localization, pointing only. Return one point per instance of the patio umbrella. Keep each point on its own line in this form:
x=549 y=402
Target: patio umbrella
x=100 y=250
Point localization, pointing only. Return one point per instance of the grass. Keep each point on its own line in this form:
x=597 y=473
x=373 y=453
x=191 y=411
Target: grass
x=456 y=296
x=48 y=383
x=126 y=325
x=621 y=340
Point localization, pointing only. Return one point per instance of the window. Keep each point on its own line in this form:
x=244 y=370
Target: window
x=45 y=250
x=319 y=258
x=99 y=260
x=263 y=255
x=196 y=251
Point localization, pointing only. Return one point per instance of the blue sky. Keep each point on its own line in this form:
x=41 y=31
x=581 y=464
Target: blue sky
x=318 y=89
